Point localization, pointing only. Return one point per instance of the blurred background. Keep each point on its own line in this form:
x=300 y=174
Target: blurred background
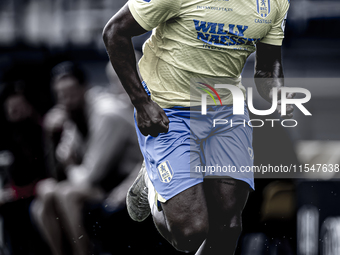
x=284 y=216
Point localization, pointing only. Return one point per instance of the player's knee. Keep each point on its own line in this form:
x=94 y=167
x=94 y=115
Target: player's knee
x=190 y=238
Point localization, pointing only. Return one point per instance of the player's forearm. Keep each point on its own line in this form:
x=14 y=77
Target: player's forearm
x=268 y=70
x=120 y=50
x=266 y=80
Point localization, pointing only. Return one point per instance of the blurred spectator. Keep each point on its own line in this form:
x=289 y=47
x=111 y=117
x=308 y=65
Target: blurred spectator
x=97 y=150
x=24 y=141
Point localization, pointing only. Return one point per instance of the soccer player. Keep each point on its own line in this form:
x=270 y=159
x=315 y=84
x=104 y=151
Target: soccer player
x=194 y=41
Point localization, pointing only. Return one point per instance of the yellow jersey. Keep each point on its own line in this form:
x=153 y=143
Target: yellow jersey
x=202 y=40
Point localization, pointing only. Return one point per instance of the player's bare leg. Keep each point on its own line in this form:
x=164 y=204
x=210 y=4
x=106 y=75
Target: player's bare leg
x=183 y=220
x=187 y=227
x=45 y=216
x=70 y=201
x=161 y=223
x=226 y=199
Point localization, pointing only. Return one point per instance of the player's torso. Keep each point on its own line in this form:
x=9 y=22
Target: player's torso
x=232 y=24
x=206 y=39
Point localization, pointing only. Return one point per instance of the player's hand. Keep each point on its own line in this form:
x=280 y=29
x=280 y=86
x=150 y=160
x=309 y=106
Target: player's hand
x=151 y=119
x=289 y=108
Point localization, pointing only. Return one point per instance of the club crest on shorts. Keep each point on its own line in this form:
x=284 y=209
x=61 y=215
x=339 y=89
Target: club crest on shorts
x=263 y=7
x=165 y=172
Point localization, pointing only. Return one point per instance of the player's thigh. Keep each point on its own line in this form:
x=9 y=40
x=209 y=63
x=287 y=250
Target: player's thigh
x=226 y=198
x=187 y=206
x=186 y=213
x=228 y=186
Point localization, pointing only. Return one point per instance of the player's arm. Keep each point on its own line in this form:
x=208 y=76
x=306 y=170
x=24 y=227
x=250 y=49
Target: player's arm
x=268 y=64
x=268 y=69
x=117 y=35
x=269 y=74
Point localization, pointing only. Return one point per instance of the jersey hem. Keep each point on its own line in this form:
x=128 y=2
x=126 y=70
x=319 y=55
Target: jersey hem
x=275 y=42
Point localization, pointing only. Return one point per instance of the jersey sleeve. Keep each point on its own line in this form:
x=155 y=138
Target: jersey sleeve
x=150 y=13
x=276 y=34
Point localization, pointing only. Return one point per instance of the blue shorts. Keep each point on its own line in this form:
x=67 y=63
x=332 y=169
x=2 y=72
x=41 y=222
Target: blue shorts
x=196 y=147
